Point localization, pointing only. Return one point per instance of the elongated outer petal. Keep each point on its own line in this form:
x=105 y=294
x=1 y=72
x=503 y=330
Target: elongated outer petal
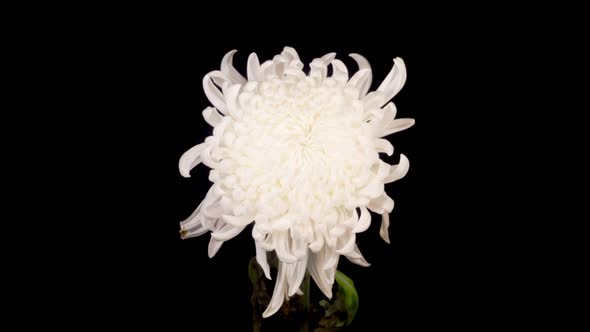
x=395 y=80
x=281 y=247
x=231 y=97
x=290 y=53
x=339 y=71
x=228 y=69
x=356 y=257
x=329 y=57
x=296 y=274
x=396 y=126
x=359 y=80
x=381 y=204
x=213 y=94
x=384 y=230
x=190 y=159
x=349 y=245
x=313 y=266
x=363 y=65
x=278 y=295
x=214 y=246
x=195 y=231
x=318 y=69
x=398 y=171
x=212 y=117
x=364 y=221
x=331 y=258
x=226 y=232
x=253 y=69
x=238 y=221
x=383 y=146
x=262 y=261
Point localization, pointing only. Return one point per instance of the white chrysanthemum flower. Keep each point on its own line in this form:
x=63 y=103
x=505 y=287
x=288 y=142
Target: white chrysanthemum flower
x=298 y=155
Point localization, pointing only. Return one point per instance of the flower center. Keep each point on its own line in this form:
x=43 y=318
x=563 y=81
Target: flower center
x=297 y=145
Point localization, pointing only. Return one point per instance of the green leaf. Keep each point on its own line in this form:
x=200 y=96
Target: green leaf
x=348 y=291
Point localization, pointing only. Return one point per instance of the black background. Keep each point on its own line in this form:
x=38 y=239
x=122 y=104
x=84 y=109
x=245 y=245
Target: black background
x=150 y=113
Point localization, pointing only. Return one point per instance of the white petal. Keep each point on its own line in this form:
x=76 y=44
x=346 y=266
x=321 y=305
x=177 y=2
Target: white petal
x=374 y=188
x=214 y=246
x=262 y=261
x=363 y=65
x=296 y=276
x=190 y=159
x=331 y=258
x=290 y=53
x=231 y=97
x=278 y=294
x=318 y=68
x=384 y=230
x=213 y=94
x=383 y=146
x=281 y=243
x=282 y=223
x=329 y=57
x=268 y=70
x=381 y=204
x=398 y=171
x=212 y=117
x=373 y=100
x=253 y=70
x=207 y=159
x=228 y=69
x=348 y=245
x=359 y=80
x=194 y=218
x=317 y=245
x=364 y=221
x=396 y=126
x=313 y=266
x=389 y=113
x=238 y=221
x=226 y=232
x=213 y=211
x=339 y=71
x=356 y=257
x=395 y=80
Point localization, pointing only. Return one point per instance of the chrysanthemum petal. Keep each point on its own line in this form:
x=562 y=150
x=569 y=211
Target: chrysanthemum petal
x=296 y=275
x=364 y=221
x=262 y=260
x=397 y=126
x=314 y=268
x=278 y=295
x=339 y=71
x=253 y=69
x=398 y=171
x=227 y=232
x=190 y=159
x=212 y=117
x=384 y=229
x=214 y=94
x=359 y=80
x=228 y=69
x=214 y=246
x=381 y=204
x=363 y=65
x=238 y=221
x=395 y=80
x=384 y=146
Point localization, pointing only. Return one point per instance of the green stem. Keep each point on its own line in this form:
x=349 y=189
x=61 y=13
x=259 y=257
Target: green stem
x=306 y=289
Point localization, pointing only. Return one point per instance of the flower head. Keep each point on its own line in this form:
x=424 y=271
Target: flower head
x=297 y=155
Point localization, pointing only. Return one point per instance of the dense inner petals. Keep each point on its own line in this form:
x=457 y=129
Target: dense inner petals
x=298 y=148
